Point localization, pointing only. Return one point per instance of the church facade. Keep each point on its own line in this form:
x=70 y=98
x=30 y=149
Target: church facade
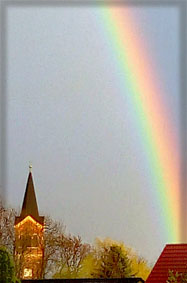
x=29 y=240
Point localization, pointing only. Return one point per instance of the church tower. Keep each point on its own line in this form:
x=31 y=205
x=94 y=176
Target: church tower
x=29 y=228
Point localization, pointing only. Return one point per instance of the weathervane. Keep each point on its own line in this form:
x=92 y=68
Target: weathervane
x=30 y=167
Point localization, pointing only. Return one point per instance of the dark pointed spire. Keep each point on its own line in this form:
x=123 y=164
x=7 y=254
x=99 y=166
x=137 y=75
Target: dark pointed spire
x=30 y=206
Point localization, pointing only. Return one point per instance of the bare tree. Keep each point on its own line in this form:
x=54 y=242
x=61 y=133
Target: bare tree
x=53 y=232
x=7 y=217
x=59 y=249
x=71 y=251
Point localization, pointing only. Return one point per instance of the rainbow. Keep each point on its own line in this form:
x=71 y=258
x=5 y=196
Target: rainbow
x=156 y=130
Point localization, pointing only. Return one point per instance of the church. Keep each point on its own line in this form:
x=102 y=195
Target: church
x=29 y=240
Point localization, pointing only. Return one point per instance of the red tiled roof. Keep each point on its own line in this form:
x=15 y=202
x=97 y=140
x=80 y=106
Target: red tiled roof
x=173 y=257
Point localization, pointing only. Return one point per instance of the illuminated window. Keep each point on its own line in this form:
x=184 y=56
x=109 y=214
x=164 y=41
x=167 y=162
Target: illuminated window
x=27 y=273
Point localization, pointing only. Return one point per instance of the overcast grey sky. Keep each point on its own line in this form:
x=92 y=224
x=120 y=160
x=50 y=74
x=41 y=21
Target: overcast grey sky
x=66 y=113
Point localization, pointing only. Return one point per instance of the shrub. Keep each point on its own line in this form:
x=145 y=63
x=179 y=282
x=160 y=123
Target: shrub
x=7 y=271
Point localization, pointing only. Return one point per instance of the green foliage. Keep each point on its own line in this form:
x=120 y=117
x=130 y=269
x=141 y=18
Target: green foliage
x=7 y=274
x=66 y=273
x=67 y=257
x=109 y=259
x=176 y=277
x=112 y=263
x=139 y=266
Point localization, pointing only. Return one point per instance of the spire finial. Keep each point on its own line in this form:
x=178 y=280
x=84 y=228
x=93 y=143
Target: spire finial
x=30 y=167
